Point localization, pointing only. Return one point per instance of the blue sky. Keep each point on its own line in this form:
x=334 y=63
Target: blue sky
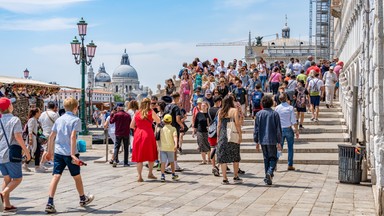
x=158 y=34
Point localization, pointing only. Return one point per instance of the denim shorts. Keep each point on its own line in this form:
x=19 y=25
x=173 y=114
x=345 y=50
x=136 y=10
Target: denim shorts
x=62 y=161
x=11 y=169
x=315 y=101
x=167 y=156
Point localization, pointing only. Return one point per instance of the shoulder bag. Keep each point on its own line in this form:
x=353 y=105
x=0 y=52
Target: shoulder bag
x=15 y=151
x=232 y=134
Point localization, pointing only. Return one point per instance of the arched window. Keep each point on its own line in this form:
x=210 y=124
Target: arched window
x=130 y=88
x=117 y=88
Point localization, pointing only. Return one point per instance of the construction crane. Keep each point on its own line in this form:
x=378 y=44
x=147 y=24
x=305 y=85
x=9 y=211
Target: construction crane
x=238 y=43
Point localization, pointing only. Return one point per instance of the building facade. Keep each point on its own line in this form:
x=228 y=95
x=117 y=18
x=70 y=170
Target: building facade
x=358 y=38
x=124 y=82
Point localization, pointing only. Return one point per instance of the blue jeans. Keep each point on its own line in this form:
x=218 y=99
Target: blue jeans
x=270 y=158
x=290 y=137
x=263 y=79
x=275 y=87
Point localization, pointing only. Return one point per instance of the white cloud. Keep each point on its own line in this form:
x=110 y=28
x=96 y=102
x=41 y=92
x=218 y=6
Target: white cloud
x=154 y=62
x=35 y=6
x=38 y=24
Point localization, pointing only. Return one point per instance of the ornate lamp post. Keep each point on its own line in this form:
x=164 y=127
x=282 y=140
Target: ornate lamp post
x=80 y=54
x=89 y=93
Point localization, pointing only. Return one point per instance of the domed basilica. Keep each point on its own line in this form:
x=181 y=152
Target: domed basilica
x=124 y=82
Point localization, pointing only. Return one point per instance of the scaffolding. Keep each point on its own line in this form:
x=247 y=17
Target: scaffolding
x=323 y=29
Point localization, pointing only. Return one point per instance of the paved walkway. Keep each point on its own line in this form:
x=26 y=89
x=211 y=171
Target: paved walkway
x=311 y=190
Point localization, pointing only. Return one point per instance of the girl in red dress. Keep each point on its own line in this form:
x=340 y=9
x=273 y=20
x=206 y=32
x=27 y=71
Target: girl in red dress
x=144 y=142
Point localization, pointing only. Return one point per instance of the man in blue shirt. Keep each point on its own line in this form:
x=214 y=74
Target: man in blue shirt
x=62 y=142
x=267 y=133
x=287 y=119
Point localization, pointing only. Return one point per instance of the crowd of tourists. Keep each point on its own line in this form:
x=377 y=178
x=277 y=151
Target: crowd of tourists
x=212 y=101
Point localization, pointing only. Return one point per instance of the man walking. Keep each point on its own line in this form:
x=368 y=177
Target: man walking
x=122 y=121
x=241 y=96
x=316 y=90
x=287 y=119
x=268 y=134
x=47 y=119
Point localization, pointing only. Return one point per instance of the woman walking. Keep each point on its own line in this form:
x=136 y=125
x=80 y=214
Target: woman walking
x=144 y=142
x=229 y=152
x=170 y=87
x=33 y=145
x=185 y=91
x=111 y=131
x=275 y=80
x=10 y=131
x=200 y=129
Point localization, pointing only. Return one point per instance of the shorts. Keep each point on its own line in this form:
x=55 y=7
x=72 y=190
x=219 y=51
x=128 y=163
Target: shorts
x=62 y=161
x=167 y=156
x=301 y=109
x=315 y=101
x=212 y=141
x=11 y=169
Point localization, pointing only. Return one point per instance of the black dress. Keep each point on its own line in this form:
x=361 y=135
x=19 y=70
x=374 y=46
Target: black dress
x=227 y=152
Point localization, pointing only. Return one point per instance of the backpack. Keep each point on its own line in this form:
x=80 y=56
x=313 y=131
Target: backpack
x=315 y=88
x=301 y=99
x=256 y=98
x=212 y=129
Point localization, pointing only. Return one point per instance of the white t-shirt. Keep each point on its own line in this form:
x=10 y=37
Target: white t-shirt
x=261 y=69
x=315 y=84
x=330 y=79
x=297 y=68
x=111 y=127
x=219 y=69
x=47 y=119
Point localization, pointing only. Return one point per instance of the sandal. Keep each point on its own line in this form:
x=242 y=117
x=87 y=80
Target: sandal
x=140 y=180
x=152 y=177
x=202 y=163
x=10 y=209
x=225 y=182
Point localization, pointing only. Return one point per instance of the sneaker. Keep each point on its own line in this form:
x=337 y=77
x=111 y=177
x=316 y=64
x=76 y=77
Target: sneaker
x=50 y=208
x=49 y=163
x=179 y=169
x=111 y=161
x=127 y=165
x=26 y=169
x=40 y=170
x=237 y=179
x=169 y=171
x=301 y=127
x=312 y=119
x=225 y=182
x=268 y=179
x=316 y=120
x=241 y=171
x=175 y=178
x=215 y=171
x=162 y=179
x=291 y=168
x=88 y=199
x=114 y=164
x=327 y=105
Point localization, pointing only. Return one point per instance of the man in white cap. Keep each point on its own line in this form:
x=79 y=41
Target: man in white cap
x=330 y=80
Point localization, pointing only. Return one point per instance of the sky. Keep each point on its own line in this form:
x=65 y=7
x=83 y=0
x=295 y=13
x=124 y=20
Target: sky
x=159 y=35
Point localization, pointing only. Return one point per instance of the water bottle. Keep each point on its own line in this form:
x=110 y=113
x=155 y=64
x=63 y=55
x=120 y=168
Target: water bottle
x=280 y=154
x=80 y=163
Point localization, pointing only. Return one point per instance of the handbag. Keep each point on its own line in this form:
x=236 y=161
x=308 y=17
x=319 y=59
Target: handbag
x=15 y=151
x=232 y=134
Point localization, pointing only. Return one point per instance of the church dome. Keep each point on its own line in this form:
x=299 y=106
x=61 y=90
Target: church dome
x=125 y=70
x=102 y=75
x=285 y=28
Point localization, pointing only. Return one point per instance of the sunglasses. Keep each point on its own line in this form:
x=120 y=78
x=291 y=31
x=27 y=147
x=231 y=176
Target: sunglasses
x=153 y=103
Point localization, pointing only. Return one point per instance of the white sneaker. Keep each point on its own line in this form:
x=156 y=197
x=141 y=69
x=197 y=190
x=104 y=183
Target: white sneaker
x=39 y=170
x=25 y=168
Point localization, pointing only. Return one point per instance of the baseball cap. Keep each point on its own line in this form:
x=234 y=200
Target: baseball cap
x=167 y=118
x=214 y=59
x=331 y=68
x=199 y=100
x=5 y=103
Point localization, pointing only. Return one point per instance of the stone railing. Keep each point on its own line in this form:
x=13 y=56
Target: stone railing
x=161 y=88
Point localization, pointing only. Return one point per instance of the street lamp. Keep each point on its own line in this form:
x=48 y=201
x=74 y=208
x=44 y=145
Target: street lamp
x=89 y=93
x=80 y=54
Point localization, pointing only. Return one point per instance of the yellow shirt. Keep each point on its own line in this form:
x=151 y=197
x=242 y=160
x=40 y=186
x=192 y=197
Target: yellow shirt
x=167 y=143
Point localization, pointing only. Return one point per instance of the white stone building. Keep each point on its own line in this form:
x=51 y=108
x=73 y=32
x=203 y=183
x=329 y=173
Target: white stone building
x=124 y=83
x=358 y=36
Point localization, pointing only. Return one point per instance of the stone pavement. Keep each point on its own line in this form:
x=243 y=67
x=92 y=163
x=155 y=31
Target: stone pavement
x=310 y=190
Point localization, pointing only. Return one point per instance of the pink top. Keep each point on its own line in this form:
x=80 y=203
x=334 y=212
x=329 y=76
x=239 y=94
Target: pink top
x=275 y=77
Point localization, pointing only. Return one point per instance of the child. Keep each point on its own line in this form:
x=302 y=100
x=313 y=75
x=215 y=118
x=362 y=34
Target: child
x=168 y=146
x=62 y=142
x=256 y=100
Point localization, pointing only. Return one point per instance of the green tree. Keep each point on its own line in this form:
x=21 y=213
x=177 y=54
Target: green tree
x=118 y=98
